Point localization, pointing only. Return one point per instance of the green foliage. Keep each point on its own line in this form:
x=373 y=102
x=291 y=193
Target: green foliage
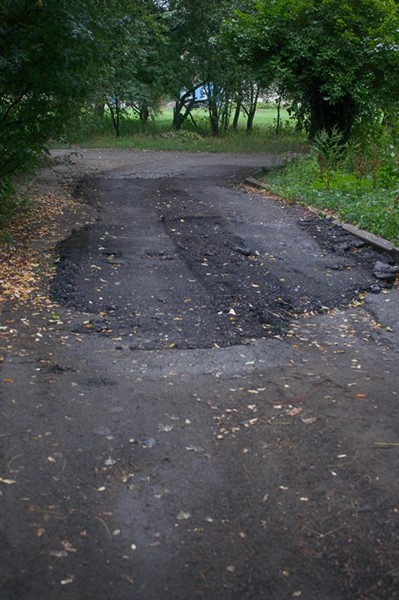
x=7 y=202
x=133 y=77
x=331 y=57
x=378 y=152
x=333 y=153
x=10 y=202
x=46 y=51
x=369 y=200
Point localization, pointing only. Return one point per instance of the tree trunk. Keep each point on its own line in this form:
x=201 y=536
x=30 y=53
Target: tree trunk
x=226 y=113
x=326 y=116
x=214 y=118
x=237 y=113
x=177 y=117
x=187 y=101
x=252 y=107
x=214 y=108
x=278 y=124
x=115 y=111
x=144 y=113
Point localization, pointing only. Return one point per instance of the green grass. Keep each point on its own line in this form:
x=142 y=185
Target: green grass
x=158 y=134
x=264 y=117
x=371 y=205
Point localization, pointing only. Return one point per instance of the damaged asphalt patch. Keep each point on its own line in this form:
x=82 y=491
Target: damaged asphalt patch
x=196 y=263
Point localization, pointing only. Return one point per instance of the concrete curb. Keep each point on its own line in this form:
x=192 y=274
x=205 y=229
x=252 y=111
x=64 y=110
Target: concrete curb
x=377 y=242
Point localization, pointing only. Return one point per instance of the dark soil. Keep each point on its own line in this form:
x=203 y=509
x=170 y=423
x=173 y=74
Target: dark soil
x=208 y=407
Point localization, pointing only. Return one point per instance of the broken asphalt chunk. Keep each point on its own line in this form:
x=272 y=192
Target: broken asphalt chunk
x=385 y=271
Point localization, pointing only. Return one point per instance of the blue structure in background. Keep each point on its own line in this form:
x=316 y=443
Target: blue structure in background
x=201 y=94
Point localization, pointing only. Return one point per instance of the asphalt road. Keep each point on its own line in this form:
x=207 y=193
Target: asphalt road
x=209 y=409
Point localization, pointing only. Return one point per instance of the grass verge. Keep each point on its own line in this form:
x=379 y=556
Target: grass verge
x=369 y=204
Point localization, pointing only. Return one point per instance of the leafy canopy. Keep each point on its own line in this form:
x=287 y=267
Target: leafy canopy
x=332 y=56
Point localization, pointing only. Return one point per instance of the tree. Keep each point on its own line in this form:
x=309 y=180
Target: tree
x=134 y=77
x=47 y=50
x=329 y=56
x=199 y=60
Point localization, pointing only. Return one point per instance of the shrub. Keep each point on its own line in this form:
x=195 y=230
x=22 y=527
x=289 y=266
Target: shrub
x=8 y=202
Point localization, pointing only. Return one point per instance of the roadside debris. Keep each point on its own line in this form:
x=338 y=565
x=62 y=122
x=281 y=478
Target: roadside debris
x=385 y=271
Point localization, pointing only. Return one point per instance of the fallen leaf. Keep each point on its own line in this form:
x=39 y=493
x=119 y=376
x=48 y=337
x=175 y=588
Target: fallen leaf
x=183 y=516
x=7 y=481
x=191 y=448
x=68 y=547
x=58 y=553
x=67 y=581
x=294 y=411
x=165 y=428
x=309 y=421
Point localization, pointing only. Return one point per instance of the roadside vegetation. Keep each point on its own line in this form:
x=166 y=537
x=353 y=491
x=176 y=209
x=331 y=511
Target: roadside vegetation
x=291 y=76
x=356 y=181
